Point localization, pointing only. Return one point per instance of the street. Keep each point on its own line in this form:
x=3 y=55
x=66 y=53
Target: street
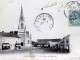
x=28 y=50
x=18 y=51
x=22 y=53
x=27 y=53
x=41 y=50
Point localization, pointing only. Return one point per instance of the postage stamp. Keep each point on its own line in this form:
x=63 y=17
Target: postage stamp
x=72 y=12
x=74 y=17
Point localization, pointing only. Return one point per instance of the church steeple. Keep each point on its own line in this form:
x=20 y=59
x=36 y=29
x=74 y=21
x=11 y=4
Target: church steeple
x=21 y=14
x=21 y=26
x=22 y=30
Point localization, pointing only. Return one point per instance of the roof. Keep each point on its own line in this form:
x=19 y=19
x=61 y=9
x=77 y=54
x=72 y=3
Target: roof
x=53 y=40
x=6 y=34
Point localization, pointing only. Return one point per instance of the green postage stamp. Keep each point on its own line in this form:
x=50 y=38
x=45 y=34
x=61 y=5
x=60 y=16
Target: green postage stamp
x=74 y=17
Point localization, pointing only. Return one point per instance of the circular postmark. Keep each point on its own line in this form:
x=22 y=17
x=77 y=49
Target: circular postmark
x=44 y=22
x=72 y=5
x=72 y=12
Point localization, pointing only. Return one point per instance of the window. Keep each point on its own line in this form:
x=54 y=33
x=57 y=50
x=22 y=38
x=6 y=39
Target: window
x=28 y=41
x=67 y=41
x=21 y=25
x=67 y=47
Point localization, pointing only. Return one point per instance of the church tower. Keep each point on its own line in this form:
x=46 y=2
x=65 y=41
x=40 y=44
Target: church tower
x=22 y=27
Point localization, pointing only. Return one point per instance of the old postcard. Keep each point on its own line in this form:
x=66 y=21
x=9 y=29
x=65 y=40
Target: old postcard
x=40 y=29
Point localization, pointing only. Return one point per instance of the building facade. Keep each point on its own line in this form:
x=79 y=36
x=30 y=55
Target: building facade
x=57 y=45
x=10 y=39
x=22 y=31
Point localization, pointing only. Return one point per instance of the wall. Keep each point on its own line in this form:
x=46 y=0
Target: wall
x=27 y=42
x=11 y=41
x=0 y=43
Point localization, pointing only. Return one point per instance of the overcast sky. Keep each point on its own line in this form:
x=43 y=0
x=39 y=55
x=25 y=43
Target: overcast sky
x=10 y=13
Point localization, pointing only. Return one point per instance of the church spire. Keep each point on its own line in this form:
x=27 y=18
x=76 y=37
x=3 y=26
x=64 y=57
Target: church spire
x=21 y=15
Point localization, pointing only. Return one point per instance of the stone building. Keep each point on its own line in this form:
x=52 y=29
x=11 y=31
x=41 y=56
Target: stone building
x=25 y=36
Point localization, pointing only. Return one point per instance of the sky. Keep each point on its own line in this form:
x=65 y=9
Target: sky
x=10 y=13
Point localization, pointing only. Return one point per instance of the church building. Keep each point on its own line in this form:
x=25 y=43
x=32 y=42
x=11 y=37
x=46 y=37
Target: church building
x=25 y=35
